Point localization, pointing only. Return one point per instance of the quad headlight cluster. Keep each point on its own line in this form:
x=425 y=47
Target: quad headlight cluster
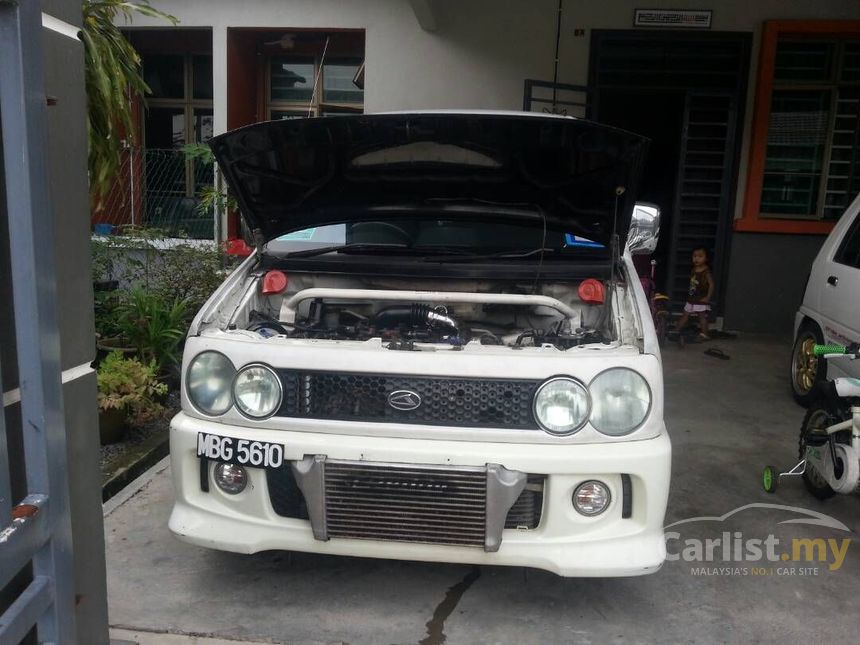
x=214 y=386
x=616 y=402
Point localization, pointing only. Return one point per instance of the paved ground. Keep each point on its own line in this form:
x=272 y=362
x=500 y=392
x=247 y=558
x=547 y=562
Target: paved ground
x=726 y=418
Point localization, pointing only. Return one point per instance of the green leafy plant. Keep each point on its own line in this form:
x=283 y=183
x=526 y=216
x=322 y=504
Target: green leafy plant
x=190 y=272
x=209 y=197
x=153 y=325
x=113 y=79
x=128 y=385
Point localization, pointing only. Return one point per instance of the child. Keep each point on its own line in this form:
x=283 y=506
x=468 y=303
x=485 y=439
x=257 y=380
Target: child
x=700 y=293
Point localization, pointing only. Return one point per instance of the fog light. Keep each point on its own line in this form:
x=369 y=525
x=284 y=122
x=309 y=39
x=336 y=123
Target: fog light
x=591 y=498
x=230 y=478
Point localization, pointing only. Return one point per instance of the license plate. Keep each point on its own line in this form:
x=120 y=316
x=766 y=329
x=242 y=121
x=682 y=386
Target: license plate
x=244 y=452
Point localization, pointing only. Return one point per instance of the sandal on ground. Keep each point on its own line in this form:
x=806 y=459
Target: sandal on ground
x=717 y=353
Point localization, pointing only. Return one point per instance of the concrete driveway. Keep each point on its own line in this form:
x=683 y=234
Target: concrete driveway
x=726 y=418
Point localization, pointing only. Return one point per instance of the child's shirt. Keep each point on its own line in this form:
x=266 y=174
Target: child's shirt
x=700 y=284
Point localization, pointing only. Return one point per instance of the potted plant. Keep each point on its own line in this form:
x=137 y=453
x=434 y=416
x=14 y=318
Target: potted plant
x=127 y=395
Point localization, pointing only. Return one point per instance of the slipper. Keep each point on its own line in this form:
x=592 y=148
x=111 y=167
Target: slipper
x=717 y=353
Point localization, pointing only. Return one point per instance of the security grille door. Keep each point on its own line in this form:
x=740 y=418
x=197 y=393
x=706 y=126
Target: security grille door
x=703 y=191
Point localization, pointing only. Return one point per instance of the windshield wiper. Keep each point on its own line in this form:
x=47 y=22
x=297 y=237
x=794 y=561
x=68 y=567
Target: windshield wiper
x=346 y=248
x=501 y=255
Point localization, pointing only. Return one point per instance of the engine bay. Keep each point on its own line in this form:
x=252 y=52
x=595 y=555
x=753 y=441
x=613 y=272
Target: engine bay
x=410 y=315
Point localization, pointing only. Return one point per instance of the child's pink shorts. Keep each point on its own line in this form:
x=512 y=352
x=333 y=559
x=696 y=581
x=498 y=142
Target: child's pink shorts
x=696 y=309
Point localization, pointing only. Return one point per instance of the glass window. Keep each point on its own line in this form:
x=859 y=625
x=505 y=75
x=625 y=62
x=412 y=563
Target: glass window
x=201 y=74
x=203 y=128
x=337 y=82
x=796 y=144
x=203 y=124
x=164 y=128
x=165 y=75
x=849 y=250
x=812 y=167
x=291 y=79
x=803 y=61
x=179 y=112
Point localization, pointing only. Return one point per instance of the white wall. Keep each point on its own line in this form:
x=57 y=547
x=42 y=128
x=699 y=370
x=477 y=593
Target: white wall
x=482 y=50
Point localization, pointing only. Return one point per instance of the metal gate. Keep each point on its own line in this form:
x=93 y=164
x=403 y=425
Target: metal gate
x=703 y=188
x=35 y=534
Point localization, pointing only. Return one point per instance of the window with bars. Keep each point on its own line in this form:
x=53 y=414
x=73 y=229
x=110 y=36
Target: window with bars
x=811 y=163
x=301 y=86
x=177 y=112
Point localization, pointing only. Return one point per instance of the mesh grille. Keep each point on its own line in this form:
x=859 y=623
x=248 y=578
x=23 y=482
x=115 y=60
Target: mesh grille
x=489 y=403
x=406 y=503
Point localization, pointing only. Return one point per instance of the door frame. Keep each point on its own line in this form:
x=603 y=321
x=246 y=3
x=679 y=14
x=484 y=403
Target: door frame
x=744 y=40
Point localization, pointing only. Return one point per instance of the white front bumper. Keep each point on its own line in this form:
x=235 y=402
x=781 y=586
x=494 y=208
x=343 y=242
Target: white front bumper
x=565 y=542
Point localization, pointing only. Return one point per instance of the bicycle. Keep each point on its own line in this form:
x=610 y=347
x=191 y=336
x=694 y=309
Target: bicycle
x=658 y=304
x=829 y=446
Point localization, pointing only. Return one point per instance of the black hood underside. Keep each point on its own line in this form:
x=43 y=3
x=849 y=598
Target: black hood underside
x=568 y=174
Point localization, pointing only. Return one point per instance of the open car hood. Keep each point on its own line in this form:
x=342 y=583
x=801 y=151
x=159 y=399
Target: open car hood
x=571 y=175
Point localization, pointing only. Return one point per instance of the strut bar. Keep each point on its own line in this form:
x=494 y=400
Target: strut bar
x=431 y=296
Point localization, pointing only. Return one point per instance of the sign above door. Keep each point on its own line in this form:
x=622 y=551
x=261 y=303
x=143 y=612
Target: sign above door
x=673 y=18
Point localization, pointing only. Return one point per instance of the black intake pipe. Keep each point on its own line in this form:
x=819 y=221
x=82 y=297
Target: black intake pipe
x=416 y=315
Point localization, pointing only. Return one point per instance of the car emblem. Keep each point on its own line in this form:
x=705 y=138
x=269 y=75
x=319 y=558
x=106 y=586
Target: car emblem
x=404 y=400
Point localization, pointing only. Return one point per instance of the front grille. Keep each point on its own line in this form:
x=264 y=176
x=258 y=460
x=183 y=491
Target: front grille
x=406 y=503
x=476 y=403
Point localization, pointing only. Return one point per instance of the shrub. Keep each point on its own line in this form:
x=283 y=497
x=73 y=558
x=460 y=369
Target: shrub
x=153 y=325
x=131 y=386
x=188 y=272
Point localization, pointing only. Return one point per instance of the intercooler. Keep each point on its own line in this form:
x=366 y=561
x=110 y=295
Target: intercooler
x=448 y=505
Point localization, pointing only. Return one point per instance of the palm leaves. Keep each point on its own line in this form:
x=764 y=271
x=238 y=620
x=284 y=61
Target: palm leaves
x=113 y=78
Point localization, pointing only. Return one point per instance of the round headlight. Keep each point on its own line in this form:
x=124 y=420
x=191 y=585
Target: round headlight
x=208 y=381
x=257 y=391
x=621 y=399
x=561 y=405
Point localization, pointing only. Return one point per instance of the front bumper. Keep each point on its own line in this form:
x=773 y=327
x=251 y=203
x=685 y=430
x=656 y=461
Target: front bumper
x=564 y=542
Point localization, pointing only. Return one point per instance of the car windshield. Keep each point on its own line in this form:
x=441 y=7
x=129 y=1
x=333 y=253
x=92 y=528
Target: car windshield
x=429 y=236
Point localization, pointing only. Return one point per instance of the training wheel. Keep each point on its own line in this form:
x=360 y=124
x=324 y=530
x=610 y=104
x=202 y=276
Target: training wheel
x=769 y=479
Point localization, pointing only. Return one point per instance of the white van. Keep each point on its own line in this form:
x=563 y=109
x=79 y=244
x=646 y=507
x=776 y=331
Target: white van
x=439 y=351
x=830 y=312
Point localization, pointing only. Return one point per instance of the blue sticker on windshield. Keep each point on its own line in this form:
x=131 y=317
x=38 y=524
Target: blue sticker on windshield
x=574 y=240
x=298 y=236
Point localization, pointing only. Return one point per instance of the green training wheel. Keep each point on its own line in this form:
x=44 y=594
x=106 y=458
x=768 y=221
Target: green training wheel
x=769 y=478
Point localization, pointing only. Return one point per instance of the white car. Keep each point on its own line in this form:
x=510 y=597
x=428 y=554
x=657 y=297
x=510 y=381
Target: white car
x=439 y=351
x=830 y=312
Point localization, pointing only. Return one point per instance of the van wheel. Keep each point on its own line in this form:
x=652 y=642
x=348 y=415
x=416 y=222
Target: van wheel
x=807 y=370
